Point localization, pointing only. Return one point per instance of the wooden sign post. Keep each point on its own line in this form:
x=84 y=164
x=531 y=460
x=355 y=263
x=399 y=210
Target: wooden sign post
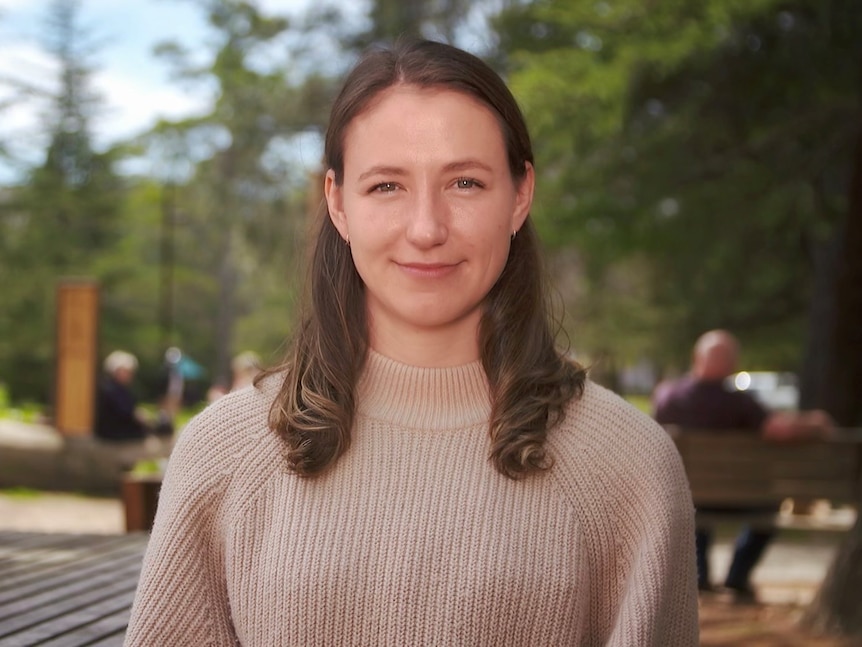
x=77 y=356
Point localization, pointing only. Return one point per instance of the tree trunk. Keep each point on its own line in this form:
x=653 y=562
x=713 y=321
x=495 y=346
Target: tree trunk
x=843 y=398
x=226 y=315
x=813 y=379
x=836 y=607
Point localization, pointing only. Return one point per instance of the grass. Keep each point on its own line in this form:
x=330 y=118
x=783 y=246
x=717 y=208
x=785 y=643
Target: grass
x=642 y=402
x=24 y=411
x=21 y=493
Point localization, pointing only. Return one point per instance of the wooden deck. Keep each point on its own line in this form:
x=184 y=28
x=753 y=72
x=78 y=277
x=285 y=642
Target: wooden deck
x=62 y=590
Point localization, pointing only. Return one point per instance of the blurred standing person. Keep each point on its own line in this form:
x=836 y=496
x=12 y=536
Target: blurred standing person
x=216 y=390
x=426 y=466
x=117 y=415
x=244 y=368
x=701 y=400
x=172 y=398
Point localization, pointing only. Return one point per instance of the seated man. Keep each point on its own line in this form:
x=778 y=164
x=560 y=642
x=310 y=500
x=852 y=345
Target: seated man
x=701 y=400
x=117 y=415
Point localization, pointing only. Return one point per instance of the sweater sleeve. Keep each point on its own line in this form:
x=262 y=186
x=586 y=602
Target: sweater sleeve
x=182 y=594
x=626 y=482
x=659 y=600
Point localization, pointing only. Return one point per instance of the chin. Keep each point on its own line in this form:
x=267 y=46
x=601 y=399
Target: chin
x=437 y=317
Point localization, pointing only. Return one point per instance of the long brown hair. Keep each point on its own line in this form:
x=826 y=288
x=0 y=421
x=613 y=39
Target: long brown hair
x=530 y=380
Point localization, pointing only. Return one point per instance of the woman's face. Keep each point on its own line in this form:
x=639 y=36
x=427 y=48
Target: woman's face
x=428 y=205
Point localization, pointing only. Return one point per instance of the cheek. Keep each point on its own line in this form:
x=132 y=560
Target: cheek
x=368 y=257
x=490 y=258
x=370 y=224
x=489 y=237
x=369 y=239
x=499 y=259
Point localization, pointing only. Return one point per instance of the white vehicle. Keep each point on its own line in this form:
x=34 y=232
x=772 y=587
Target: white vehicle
x=775 y=391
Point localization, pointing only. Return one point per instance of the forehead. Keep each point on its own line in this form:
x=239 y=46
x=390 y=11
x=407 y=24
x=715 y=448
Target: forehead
x=404 y=115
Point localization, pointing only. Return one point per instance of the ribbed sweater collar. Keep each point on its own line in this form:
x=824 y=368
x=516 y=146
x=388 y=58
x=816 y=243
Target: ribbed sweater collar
x=423 y=398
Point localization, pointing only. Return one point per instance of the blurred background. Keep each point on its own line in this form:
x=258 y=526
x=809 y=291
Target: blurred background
x=699 y=166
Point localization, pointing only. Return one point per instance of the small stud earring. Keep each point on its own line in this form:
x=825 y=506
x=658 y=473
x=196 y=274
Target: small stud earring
x=514 y=233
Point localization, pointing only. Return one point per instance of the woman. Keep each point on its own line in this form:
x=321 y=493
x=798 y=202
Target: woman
x=425 y=468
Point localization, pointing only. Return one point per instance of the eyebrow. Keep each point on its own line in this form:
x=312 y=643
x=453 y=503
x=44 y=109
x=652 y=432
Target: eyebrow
x=397 y=171
x=382 y=170
x=466 y=165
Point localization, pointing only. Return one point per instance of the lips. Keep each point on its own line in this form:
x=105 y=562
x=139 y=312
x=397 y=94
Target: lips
x=428 y=270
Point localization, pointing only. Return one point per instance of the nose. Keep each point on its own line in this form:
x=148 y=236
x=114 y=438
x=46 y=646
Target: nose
x=427 y=224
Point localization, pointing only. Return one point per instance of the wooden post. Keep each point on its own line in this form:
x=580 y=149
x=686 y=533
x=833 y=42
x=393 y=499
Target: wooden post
x=77 y=350
x=140 y=500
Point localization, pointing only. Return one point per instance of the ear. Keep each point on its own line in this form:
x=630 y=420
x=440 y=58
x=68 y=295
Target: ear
x=335 y=204
x=524 y=197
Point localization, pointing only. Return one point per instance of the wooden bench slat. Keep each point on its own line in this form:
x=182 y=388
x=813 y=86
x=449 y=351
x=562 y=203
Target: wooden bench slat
x=33 y=549
x=744 y=499
x=731 y=493
x=80 y=592
x=67 y=569
x=47 y=555
x=801 y=469
x=738 y=468
x=768 y=483
x=110 y=630
x=114 y=640
x=768 y=456
x=32 y=609
x=59 y=628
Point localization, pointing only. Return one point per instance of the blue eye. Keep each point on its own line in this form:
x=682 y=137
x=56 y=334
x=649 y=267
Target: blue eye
x=466 y=183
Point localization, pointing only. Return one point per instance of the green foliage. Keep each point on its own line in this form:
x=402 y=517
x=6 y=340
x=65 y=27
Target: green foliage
x=231 y=223
x=392 y=18
x=205 y=253
x=705 y=142
x=691 y=156
x=148 y=467
x=58 y=223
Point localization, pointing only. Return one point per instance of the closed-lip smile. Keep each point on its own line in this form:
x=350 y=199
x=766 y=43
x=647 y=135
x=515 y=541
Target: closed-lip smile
x=429 y=270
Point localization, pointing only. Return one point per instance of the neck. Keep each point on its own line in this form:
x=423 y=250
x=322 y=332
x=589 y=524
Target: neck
x=707 y=376
x=453 y=345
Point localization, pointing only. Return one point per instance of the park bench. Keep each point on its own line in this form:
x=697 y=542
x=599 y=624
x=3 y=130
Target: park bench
x=729 y=468
x=60 y=590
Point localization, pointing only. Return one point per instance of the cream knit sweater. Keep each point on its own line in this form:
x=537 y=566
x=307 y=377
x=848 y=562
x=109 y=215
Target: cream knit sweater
x=413 y=538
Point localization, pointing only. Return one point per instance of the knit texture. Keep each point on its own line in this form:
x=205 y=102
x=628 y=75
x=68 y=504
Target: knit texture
x=413 y=538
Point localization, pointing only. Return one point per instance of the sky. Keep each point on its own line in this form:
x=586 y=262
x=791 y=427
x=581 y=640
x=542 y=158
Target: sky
x=135 y=86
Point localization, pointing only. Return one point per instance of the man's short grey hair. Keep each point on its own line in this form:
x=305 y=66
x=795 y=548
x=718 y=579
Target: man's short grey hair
x=120 y=359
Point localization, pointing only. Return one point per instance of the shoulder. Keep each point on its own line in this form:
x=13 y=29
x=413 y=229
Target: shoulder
x=669 y=391
x=604 y=439
x=601 y=417
x=227 y=445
